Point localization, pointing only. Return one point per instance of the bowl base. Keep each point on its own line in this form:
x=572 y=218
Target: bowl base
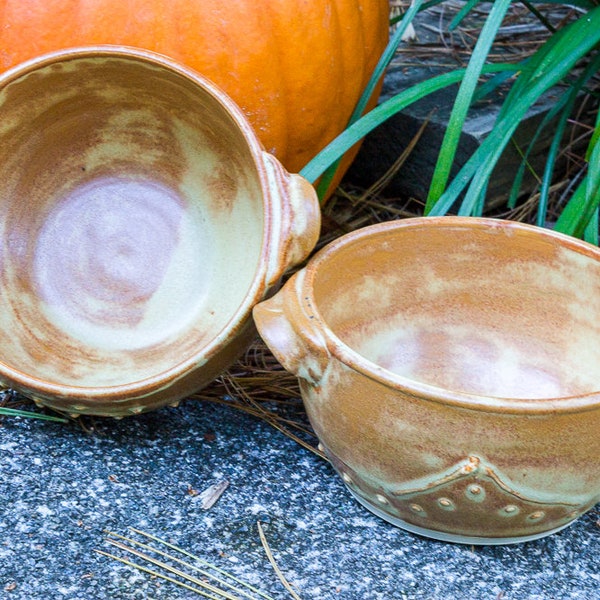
x=452 y=537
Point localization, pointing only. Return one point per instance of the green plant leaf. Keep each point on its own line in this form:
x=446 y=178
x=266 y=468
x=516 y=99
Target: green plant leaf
x=558 y=116
x=462 y=13
x=583 y=205
x=579 y=210
x=494 y=82
x=550 y=64
x=463 y=101
x=353 y=134
x=557 y=110
x=566 y=105
x=591 y=231
x=595 y=134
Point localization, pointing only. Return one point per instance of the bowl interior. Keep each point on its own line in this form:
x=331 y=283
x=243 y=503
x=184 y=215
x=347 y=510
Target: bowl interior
x=498 y=311
x=131 y=220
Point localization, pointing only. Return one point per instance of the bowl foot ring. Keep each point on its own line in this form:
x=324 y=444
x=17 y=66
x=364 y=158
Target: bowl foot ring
x=452 y=537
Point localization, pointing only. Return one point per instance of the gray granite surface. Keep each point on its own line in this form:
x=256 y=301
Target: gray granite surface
x=62 y=487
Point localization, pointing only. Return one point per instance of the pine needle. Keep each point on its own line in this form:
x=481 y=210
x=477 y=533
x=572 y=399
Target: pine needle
x=185 y=573
x=276 y=568
x=156 y=574
x=200 y=561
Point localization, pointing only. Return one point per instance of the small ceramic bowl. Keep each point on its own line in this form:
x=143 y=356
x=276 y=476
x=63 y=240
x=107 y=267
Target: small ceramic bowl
x=140 y=221
x=450 y=368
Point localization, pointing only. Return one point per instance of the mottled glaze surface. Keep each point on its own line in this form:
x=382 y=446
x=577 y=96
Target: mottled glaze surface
x=140 y=221
x=450 y=368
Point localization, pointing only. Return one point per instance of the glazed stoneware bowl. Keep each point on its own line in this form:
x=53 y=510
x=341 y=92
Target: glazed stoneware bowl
x=450 y=368
x=140 y=221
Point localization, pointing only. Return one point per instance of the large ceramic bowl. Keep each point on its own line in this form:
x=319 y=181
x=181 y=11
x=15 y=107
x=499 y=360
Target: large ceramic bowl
x=451 y=370
x=140 y=221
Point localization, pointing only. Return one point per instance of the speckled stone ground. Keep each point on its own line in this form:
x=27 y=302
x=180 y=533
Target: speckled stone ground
x=61 y=487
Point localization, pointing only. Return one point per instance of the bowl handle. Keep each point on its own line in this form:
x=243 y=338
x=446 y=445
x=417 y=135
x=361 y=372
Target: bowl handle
x=296 y=223
x=291 y=334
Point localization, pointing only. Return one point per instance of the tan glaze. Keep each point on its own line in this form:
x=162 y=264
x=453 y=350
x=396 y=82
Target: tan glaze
x=140 y=221
x=450 y=368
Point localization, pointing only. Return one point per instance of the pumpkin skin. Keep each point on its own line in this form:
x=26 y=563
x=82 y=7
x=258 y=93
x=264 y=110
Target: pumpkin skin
x=295 y=67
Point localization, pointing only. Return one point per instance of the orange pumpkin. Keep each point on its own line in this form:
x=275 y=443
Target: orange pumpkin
x=295 y=67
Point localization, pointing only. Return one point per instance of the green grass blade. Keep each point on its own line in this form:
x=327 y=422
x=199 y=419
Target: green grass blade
x=591 y=231
x=558 y=115
x=583 y=205
x=596 y=133
x=557 y=110
x=462 y=13
x=13 y=412
x=557 y=56
x=463 y=102
x=551 y=63
x=353 y=134
x=569 y=98
x=493 y=83
x=576 y=215
x=524 y=165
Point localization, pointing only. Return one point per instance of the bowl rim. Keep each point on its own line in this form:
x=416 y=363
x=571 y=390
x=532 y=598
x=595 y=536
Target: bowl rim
x=139 y=388
x=354 y=360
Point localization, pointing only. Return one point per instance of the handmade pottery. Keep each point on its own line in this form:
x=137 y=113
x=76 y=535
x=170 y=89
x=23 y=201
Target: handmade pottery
x=449 y=367
x=140 y=221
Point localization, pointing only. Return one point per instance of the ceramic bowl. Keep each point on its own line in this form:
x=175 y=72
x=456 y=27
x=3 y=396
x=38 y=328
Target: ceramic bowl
x=450 y=368
x=140 y=221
